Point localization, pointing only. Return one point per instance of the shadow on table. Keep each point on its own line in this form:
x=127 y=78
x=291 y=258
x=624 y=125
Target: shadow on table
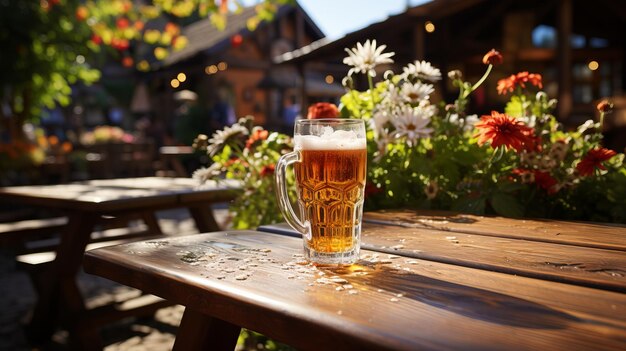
x=465 y=300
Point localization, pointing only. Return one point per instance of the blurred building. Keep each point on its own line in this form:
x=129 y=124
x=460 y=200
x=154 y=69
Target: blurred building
x=578 y=46
x=232 y=72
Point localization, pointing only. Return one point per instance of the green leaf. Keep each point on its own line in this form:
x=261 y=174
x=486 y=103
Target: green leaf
x=514 y=107
x=506 y=205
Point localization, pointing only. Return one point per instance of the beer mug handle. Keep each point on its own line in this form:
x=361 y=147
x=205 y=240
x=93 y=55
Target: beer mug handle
x=283 y=194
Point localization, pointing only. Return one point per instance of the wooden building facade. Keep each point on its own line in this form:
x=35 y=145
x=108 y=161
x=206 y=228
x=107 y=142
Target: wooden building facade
x=578 y=46
x=233 y=67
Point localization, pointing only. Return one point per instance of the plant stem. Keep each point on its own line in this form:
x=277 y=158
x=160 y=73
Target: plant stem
x=371 y=85
x=480 y=81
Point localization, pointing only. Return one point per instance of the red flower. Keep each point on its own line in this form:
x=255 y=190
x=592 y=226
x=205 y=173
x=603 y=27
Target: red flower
x=508 y=85
x=541 y=179
x=371 y=189
x=501 y=129
x=122 y=23
x=236 y=40
x=127 y=61
x=593 y=159
x=322 y=110
x=545 y=181
x=96 y=39
x=120 y=44
x=493 y=57
x=257 y=135
x=172 y=28
x=82 y=13
x=267 y=170
x=604 y=106
x=139 y=25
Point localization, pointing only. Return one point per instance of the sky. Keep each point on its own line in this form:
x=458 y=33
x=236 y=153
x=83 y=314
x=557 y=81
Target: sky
x=339 y=17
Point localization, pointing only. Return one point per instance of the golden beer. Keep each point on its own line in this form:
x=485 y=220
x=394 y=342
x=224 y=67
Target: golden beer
x=330 y=194
x=329 y=161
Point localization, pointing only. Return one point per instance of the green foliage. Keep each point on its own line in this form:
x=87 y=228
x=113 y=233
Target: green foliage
x=43 y=54
x=438 y=157
x=441 y=165
x=248 y=154
x=47 y=47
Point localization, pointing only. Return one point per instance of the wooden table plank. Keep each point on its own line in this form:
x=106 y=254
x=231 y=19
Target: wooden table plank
x=598 y=268
x=603 y=236
x=121 y=194
x=254 y=280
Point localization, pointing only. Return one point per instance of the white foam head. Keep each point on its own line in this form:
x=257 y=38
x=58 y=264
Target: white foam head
x=330 y=140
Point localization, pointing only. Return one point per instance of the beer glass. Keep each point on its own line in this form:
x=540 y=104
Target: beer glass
x=329 y=161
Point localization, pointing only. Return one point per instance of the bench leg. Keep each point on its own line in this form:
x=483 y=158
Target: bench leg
x=198 y=331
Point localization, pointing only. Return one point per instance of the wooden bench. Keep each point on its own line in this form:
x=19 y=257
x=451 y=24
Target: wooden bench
x=17 y=234
x=39 y=235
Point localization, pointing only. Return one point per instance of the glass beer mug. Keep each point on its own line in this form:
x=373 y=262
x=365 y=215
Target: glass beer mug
x=329 y=160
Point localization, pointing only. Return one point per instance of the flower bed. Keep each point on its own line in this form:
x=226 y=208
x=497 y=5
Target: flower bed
x=421 y=154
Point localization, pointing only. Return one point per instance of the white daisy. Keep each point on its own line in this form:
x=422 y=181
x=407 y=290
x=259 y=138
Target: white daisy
x=392 y=95
x=414 y=93
x=382 y=140
x=379 y=120
x=412 y=123
x=365 y=58
x=469 y=122
x=205 y=174
x=422 y=70
x=222 y=137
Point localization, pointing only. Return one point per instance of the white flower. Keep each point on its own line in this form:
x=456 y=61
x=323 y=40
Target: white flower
x=205 y=174
x=380 y=118
x=414 y=93
x=365 y=58
x=382 y=140
x=470 y=121
x=431 y=189
x=222 y=137
x=412 y=123
x=466 y=123
x=422 y=70
x=392 y=95
x=559 y=150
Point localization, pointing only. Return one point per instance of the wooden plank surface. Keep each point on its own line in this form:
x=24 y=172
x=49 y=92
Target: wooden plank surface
x=603 y=236
x=598 y=268
x=256 y=280
x=119 y=194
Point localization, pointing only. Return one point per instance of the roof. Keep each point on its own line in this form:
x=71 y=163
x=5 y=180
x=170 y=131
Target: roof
x=203 y=36
x=433 y=9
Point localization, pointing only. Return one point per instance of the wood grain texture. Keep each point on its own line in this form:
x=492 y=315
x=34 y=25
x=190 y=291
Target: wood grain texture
x=596 y=235
x=598 y=268
x=121 y=194
x=253 y=280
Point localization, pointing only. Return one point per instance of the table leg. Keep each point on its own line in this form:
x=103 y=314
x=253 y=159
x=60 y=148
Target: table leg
x=152 y=222
x=59 y=289
x=198 y=331
x=203 y=216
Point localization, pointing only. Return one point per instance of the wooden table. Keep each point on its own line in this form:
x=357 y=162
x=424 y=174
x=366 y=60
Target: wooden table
x=170 y=158
x=431 y=281
x=85 y=203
